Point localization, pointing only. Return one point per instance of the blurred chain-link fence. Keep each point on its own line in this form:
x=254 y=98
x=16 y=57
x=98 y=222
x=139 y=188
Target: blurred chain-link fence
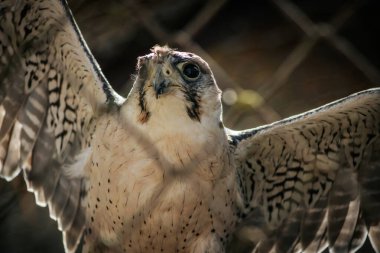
x=271 y=58
x=256 y=50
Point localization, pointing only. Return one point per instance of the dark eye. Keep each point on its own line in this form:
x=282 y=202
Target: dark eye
x=191 y=71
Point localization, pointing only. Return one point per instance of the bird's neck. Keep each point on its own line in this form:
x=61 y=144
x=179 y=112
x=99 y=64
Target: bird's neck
x=180 y=142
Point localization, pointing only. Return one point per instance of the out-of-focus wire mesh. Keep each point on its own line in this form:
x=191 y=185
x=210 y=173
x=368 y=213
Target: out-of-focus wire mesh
x=272 y=59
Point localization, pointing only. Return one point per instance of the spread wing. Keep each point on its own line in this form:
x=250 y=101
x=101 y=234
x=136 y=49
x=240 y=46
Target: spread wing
x=50 y=90
x=313 y=181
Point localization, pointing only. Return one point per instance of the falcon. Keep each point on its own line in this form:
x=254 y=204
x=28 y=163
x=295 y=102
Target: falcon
x=157 y=171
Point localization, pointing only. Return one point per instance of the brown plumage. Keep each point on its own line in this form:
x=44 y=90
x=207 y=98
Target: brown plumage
x=158 y=171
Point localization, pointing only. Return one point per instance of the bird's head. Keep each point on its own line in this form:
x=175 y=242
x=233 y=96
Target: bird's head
x=175 y=84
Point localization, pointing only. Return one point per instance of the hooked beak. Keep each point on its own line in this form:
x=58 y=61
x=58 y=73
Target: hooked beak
x=160 y=84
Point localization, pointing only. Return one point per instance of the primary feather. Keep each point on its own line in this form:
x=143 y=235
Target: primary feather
x=50 y=89
x=314 y=176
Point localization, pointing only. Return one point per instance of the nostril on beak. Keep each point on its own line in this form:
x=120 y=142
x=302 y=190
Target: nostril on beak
x=167 y=72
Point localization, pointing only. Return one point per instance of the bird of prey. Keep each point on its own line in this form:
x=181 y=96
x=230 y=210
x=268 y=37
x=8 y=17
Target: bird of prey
x=158 y=171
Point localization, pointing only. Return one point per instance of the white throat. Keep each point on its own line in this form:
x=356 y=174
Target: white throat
x=176 y=138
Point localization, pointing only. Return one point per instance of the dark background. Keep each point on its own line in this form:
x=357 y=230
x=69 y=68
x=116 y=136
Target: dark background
x=274 y=59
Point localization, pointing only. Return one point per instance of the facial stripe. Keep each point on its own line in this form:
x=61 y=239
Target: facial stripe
x=194 y=109
x=144 y=114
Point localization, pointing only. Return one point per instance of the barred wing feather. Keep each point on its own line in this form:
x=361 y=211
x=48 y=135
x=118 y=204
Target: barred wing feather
x=314 y=179
x=50 y=89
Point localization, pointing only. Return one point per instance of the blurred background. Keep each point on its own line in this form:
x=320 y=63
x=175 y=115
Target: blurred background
x=271 y=58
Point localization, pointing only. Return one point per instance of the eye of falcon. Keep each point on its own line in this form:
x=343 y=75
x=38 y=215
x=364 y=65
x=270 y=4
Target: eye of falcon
x=189 y=70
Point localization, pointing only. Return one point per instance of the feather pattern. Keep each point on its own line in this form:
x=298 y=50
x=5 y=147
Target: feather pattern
x=315 y=176
x=50 y=89
x=310 y=182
